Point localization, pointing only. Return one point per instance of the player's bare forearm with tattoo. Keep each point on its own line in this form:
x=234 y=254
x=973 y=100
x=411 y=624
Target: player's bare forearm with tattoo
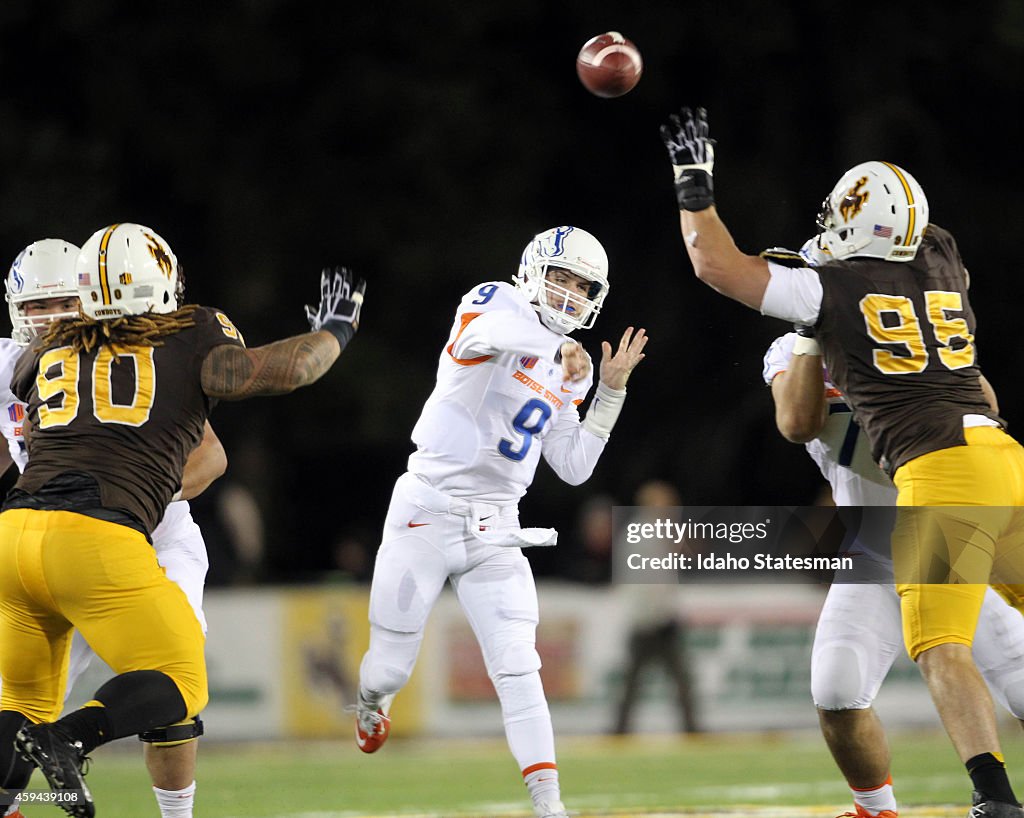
x=235 y=373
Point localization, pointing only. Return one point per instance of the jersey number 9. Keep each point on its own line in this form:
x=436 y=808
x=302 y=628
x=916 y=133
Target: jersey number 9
x=528 y=422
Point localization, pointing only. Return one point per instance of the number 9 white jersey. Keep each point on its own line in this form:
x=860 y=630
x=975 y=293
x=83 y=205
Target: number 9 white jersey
x=499 y=403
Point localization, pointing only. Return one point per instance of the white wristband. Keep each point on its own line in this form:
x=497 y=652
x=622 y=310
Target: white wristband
x=806 y=346
x=176 y=496
x=604 y=410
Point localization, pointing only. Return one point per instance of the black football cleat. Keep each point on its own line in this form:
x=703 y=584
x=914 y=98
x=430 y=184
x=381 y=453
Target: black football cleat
x=60 y=760
x=993 y=809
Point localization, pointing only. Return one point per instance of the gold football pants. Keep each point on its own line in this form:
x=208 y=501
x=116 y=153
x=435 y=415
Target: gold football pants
x=960 y=526
x=60 y=570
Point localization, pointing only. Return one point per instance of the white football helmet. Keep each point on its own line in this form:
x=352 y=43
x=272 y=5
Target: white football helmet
x=45 y=269
x=876 y=210
x=813 y=253
x=578 y=252
x=127 y=269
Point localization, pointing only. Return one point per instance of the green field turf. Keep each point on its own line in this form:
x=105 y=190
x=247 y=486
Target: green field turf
x=782 y=776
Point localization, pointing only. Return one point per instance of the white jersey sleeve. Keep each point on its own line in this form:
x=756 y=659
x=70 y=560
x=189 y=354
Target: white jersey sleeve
x=571 y=450
x=776 y=359
x=12 y=411
x=498 y=399
x=793 y=294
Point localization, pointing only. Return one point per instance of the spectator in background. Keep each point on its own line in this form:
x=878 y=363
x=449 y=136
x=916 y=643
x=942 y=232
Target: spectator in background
x=593 y=561
x=352 y=555
x=232 y=525
x=657 y=633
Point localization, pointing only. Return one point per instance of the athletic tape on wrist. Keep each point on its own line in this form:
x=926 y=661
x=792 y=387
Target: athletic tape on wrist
x=806 y=346
x=604 y=410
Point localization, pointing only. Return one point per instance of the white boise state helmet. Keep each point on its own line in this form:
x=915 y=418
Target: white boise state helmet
x=127 y=269
x=876 y=210
x=813 y=253
x=574 y=250
x=44 y=269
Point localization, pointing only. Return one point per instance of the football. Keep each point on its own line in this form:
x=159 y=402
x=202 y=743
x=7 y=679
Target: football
x=609 y=65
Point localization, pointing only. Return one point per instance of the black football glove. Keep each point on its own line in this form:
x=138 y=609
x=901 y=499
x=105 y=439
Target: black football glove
x=693 y=157
x=341 y=299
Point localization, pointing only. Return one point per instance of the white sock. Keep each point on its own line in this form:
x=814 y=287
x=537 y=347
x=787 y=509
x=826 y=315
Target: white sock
x=13 y=808
x=877 y=799
x=542 y=782
x=176 y=803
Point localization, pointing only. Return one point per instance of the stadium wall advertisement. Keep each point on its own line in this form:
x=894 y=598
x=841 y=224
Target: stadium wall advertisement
x=283 y=663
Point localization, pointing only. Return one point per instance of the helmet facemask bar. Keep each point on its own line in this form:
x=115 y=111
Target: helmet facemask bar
x=43 y=271
x=567 y=308
x=577 y=254
x=26 y=327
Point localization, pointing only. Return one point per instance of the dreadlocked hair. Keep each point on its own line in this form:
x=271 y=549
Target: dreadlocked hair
x=84 y=334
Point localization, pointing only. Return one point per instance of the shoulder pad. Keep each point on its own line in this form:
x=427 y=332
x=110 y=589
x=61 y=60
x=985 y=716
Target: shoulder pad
x=783 y=257
x=493 y=295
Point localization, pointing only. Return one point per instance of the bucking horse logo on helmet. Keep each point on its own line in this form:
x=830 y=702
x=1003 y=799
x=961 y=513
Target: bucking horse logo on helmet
x=552 y=242
x=854 y=199
x=160 y=255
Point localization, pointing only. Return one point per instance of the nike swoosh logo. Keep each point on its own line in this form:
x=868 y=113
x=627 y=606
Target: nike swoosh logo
x=567 y=391
x=416 y=525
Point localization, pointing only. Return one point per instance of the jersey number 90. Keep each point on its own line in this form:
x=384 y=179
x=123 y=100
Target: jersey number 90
x=59 y=371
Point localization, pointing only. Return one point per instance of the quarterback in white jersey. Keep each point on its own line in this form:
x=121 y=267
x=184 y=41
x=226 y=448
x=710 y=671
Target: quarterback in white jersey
x=41 y=287
x=859 y=631
x=509 y=384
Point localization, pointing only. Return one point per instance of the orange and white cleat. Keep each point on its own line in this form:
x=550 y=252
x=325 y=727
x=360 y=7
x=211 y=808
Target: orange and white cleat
x=863 y=813
x=373 y=725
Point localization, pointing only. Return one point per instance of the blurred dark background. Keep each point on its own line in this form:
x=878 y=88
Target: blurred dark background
x=425 y=143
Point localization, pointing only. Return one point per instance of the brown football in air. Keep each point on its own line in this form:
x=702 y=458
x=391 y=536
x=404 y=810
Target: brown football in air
x=609 y=65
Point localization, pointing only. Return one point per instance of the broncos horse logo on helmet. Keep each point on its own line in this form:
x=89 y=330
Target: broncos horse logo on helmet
x=575 y=251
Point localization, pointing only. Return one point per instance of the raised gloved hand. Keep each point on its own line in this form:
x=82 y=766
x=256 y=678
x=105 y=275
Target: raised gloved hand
x=693 y=156
x=341 y=299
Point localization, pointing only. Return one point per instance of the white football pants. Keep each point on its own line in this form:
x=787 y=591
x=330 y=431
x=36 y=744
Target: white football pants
x=430 y=538
x=860 y=632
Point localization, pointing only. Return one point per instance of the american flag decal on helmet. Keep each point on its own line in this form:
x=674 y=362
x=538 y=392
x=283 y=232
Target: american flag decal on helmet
x=882 y=231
